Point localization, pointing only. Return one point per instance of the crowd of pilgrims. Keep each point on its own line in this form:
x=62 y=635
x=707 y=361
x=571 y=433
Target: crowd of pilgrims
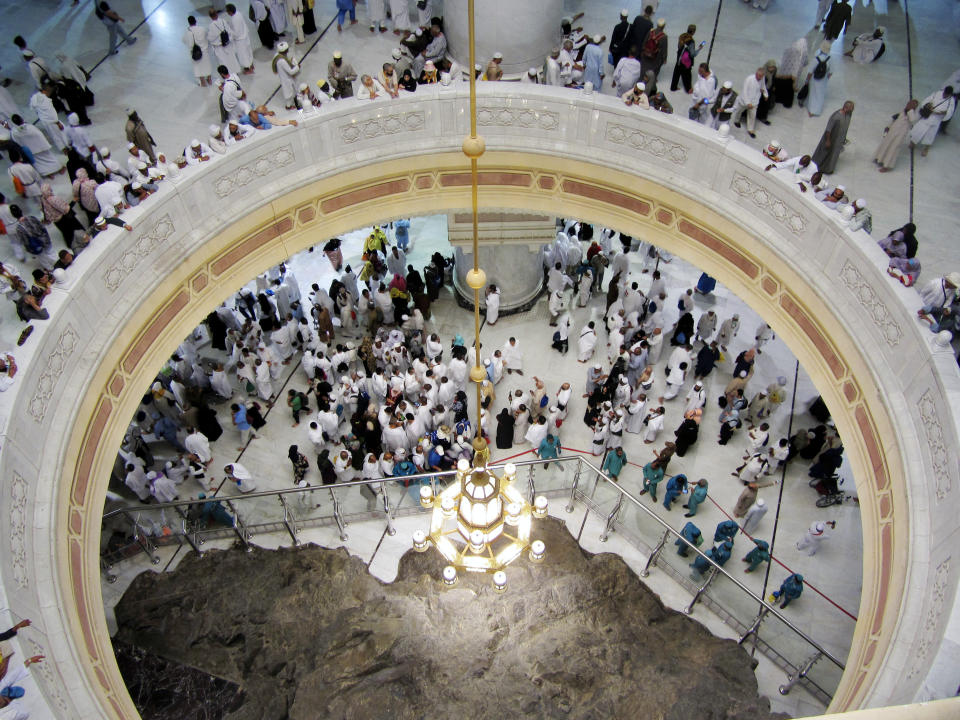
x=385 y=397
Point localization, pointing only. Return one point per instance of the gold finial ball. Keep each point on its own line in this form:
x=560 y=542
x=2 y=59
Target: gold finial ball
x=479 y=443
x=474 y=147
x=476 y=279
x=478 y=374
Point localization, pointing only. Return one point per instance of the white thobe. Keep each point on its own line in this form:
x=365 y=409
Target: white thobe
x=240 y=37
x=48 y=119
x=278 y=15
x=568 y=73
x=493 y=307
x=585 y=345
x=626 y=75
x=197 y=35
x=45 y=161
x=221 y=384
x=512 y=357
x=199 y=445
x=552 y=73
x=705 y=92
x=79 y=140
x=793 y=166
x=225 y=55
x=109 y=194
x=925 y=129
x=400 y=11
x=287 y=69
x=377 y=12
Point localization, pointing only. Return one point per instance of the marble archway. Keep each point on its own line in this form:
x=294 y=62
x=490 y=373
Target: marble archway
x=557 y=153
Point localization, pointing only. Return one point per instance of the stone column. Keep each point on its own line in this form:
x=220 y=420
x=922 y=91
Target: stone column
x=516 y=269
x=523 y=30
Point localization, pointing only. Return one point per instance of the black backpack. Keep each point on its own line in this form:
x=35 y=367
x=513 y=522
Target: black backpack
x=224 y=38
x=196 y=53
x=820 y=71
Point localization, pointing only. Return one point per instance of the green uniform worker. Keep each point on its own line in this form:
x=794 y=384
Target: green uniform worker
x=652 y=474
x=614 y=463
x=760 y=554
x=698 y=495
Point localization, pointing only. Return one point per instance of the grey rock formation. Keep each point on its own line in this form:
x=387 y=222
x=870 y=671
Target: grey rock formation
x=309 y=633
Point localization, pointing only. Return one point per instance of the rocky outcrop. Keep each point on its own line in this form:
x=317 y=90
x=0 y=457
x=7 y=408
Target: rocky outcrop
x=309 y=633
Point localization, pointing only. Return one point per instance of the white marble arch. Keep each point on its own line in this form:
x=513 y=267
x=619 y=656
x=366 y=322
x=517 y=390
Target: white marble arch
x=132 y=297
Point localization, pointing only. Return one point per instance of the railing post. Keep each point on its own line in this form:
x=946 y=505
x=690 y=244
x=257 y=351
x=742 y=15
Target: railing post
x=391 y=530
x=144 y=542
x=186 y=531
x=105 y=568
x=533 y=489
x=655 y=554
x=711 y=574
x=754 y=626
x=338 y=516
x=576 y=483
x=286 y=521
x=611 y=519
x=239 y=528
x=801 y=672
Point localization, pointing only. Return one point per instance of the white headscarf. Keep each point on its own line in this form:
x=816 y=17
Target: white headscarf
x=70 y=68
x=794 y=59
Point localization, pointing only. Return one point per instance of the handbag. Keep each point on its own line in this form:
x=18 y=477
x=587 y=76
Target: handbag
x=685 y=59
x=18 y=186
x=926 y=111
x=196 y=53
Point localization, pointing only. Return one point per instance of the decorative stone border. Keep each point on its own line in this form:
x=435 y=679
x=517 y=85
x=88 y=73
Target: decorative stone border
x=893 y=401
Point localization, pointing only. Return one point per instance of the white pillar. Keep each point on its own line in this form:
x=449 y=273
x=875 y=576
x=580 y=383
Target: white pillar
x=523 y=30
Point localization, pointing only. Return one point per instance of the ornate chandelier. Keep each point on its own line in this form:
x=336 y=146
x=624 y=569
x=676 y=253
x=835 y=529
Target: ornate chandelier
x=481 y=522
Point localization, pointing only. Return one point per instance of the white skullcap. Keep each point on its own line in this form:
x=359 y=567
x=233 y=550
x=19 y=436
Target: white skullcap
x=727 y=85
x=396 y=53
x=532 y=72
x=303 y=87
x=136 y=186
x=100 y=220
x=761 y=502
x=598 y=38
x=477 y=67
x=598 y=367
x=194 y=143
x=624 y=13
x=841 y=188
x=153 y=475
x=820 y=527
x=641 y=86
x=775 y=144
x=337 y=55
x=498 y=56
x=282 y=47
x=661 y=23
x=156 y=386
x=104 y=150
x=141 y=165
x=130 y=146
x=73 y=119
x=214 y=129
x=861 y=203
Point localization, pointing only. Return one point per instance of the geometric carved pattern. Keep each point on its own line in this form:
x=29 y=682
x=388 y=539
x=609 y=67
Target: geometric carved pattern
x=867 y=296
x=261 y=166
x=931 y=624
x=145 y=244
x=18 y=526
x=521 y=117
x=51 y=685
x=43 y=392
x=388 y=125
x=761 y=197
x=653 y=144
x=930 y=420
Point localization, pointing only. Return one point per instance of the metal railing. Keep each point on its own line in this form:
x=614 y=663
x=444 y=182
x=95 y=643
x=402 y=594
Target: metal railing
x=246 y=515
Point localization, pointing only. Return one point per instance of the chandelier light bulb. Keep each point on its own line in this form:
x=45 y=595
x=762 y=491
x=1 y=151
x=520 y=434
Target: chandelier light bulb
x=537 y=550
x=426 y=496
x=419 y=540
x=448 y=505
x=540 y=506
x=513 y=514
x=449 y=575
x=500 y=581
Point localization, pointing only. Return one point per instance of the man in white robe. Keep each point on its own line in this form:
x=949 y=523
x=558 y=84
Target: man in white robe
x=627 y=74
x=240 y=38
x=45 y=161
x=552 y=72
x=493 y=304
x=225 y=54
x=400 y=11
x=78 y=137
x=512 y=357
x=378 y=15
x=941 y=105
x=42 y=105
x=587 y=342
x=754 y=88
x=287 y=68
x=278 y=15
x=705 y=91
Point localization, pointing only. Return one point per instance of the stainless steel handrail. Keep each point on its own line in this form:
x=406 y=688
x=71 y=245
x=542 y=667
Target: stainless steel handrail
x=431 y=476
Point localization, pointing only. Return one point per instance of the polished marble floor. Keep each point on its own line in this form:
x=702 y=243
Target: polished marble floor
x=155 y=77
